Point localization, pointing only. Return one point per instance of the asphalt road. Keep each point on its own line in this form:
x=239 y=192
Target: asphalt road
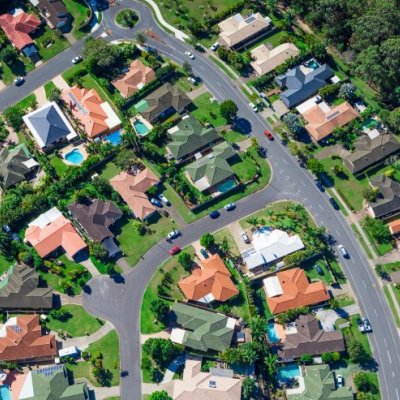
x=120 y=302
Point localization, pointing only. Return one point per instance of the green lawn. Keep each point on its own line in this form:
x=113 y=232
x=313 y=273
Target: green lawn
x=392 y=267
x=48 y=87
x=380 y=248
x=344 y=300
x=234 y=137
x=80 y=12
x=21 y=67
x=5 y=263
x=313 y=275
x=362 y=241
x=110 y=170
x=104 y=267
x=58 y=164
x=246 y=169
x=80 y=323
x=374 y=381
x=337 y=271
x=391 y=305
x=354 y=331
x=26 y=102
x=50 y=36
x=70 y=73
x=225 y=233
x=260 y=301
x=207 y=111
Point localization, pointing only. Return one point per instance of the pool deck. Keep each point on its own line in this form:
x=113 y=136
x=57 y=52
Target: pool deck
x=69 y=148
x=299 y=389
x=144 y=121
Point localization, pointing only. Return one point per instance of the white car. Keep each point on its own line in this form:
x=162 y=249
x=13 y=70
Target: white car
x=339 y=381
x=214 y=46
x=164 y=199
x=253 y=107
x=173 y=234
x=192 y=80
x=77 y=60
x=343 y=251
x=189 y=54
x=245 y=237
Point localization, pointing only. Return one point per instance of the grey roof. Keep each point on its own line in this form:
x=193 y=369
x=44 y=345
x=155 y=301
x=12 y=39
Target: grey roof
x=20 y=290
x=301 y=86
x=388 y=200
x=111 y=247
x=369 y=152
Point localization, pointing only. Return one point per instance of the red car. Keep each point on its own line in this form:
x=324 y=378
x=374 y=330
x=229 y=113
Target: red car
x=268 y=134
x=174 y=250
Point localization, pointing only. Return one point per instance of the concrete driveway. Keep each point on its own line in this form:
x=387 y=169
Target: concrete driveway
x=329 y=317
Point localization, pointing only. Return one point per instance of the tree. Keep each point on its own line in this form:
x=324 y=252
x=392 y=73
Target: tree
x=378 y=230
x=225 y=246
x=5 y=243
x=228 y=110
x=160 y=395
x=55 y=94
x=162 y=351
x=339 y=171
x=326 y=358
x=185 y=259
x=347 y=91
x=362 y=382
x=249 y=389
x=329 y=90
x=293 y=123
x=187 y=67
x=141 y=38
x=394 y=119
x=97 y=250
x=160 y=309
x=370 y=193
x=207 y=241
x=357 y=352
x=257 y=326
x=8 y=55
x=381 y=272
x=60 y=315
x=315 y=166
x=270 y=362
x=253 y=222
x=13 y=117
x=306 y=359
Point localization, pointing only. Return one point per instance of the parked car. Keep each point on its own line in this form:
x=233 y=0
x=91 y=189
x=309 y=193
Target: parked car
x=360 y=325
x=214 y=46
x=245 y=237
x=192 y=80
x=77 y=60
x=367 y=325
x=189 y=54
x=318 y=269
x=174 y=250
x=19 y=81
x=334 y=203
x=214 y=214
x=339 y=381
x=155 y=202
x=230 y=206
x=320 y=186
x=204 y=253
x=343 y=251
x=263 y=96
x=253 y=107
x=164 y=199
x=268 y=134
x=174 y=234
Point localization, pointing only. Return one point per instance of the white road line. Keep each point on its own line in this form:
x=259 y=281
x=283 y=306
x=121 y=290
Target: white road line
x=337 y=232
x=376 y=313
x=385 y=342
x=390 y=359
x=397 y=394
x=365 y=285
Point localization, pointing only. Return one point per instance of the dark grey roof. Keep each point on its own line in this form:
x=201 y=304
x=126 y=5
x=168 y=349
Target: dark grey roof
x=369 y=152
x=388 y=200
x=111 y=247
x=12 y=169
x=301 y=86
x=20 y=290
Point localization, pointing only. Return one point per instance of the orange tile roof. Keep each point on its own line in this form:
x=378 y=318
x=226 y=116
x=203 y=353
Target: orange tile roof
x=24 y=341
x=321 y=123
x=394 y=226
x=137 y=76
x=213 y=278
x=297 y=291
x=58 y=233
x=17 y=28
x=132 y=189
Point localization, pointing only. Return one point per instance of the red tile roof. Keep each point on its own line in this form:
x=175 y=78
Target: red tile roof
x=394 y=226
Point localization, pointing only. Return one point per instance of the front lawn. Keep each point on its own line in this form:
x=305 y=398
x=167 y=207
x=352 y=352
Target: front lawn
x=48 y=87
x=225 y=233
x=80 y=12
x=207 y=111
x=246 y=169
x=21 y=67
x=313 y=275
x=5 y=263
x=50 y=43
x=392 y=304
x=234 y=137
x=79 y=322
x=105 y=267
x=392 y=267
x=356 y=334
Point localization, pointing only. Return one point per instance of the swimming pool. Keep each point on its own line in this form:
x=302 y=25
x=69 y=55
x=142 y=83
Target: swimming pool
x=140 y=128
x=312 y=64
x=288 y=372
x=226 y=186
x=114 y=138
x=5 y=393
x=74 y=157
x=370 y=123
x=271 y=333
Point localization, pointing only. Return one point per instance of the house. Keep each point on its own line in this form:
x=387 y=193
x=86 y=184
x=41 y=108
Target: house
x=133 y=188
x=190 y=137
x=49 y=126
x=266 y=60
x=95 y=218
x=209 y=282
x=51 y=231
x=301 y=83
x=18 y=26
x=16 y=165
x=394 y=227
x=46 y=383
x=238 y=30
x=162 y=102
x=21 y=340
x=137 y=76
x=387 y=204
x=212 y=173
x=320 y=383
x=306 y=337
x=95 y=115
x=369 y=152
x=21 y=289
x=218 y=384
x=322 y=120
x=200 y=329
x=55 y=13
x=270 y=246
x=291 y=289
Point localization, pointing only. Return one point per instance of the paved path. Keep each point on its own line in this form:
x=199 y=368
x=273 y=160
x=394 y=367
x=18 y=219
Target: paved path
x=392 y=256
x=103 y=393
x=394 y=299
x=60 y=82
x=161 y=335
x=65 y=299
x=40 y=94
x=329 y=317
x=88 y=264
x=197 y=92
x=123 y=264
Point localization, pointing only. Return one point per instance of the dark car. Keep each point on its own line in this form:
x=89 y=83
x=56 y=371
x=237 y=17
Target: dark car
x=214 y=214
x=318 y=269
x=320 y=186
x=334 y=203
x=203 y=253
x=19 y=81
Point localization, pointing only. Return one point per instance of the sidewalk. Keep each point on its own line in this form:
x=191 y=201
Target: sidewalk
x=88 y=264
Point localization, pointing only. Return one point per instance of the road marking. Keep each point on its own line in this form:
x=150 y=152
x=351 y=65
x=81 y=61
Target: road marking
x=390 y=359
x=397 y=394
x=376 y=313
x=365 y=285
x=337 y=232
x=385 y=341
x=393 y=374
x=320 y=206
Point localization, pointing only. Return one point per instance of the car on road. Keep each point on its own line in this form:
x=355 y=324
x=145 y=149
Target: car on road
x=19 y=81
x=320 y=186
x=214 y=46
x=367 y=325
x=173 y=234
x=268 y=134
x=164 y=199
x=343 y=251
x=230 y=206
x=204 y=253
x=214 y=214
x=334 y=203
x=174 y=250
x=339 y=381
x=245 y=237
x=155 y=202
x=189 y=54
x=253 y=107
x=77 y=60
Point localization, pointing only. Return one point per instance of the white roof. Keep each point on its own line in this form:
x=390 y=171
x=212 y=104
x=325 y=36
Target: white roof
x=173 y=129
x=11 y=321
x=31 y=163
x=177 y=335
x=373 y=133
x=231 y=323
x=112 y=120
x=209 y=298
x=68 y=351
x=46 y=218
x=335 y=79
x=308 y=104
x=254 y=260
x=27 y=388
x=272 y=286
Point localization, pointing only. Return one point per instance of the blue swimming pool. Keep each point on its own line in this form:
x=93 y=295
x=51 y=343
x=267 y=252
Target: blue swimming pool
x=226 y=186
x=114 y=138
x=312 y=64
x=288 y=372
x=140 y=128
x=74 y=157
x=271 y=333
x=5 y=393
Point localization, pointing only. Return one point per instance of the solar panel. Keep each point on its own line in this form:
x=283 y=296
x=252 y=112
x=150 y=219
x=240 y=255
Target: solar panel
x=329 y=117
x=250 y=20
x=16 y=328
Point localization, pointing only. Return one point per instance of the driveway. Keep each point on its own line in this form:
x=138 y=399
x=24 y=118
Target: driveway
x=236 y=230
x=329 y=317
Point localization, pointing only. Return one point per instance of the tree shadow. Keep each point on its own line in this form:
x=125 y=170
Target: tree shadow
x=242 y=125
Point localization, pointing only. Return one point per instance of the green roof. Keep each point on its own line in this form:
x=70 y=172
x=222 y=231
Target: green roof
x=320 y=384
x=205 y=330
x=141 y=106
x=190 y=136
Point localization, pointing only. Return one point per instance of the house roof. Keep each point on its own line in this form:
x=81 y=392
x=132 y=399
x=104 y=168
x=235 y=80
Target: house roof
x=161 y=100
x=201 y=329
x=21 y=289
x=394 y=226
x=55 y=11
x=300 y=86
x=48 y=124
x=96 y=116
x=137 y=76
x=322 y=123
x=212 y=279
x=132 y=189
x=371 y=151
x=51 y=231
x=266 y=60
x=310 y=339
x=21 y=339
x=388 y=200
x=296 y=291
x=237 y=29
x=96 y=217
x=319 y=384
x=190 y=136
x=18 y=27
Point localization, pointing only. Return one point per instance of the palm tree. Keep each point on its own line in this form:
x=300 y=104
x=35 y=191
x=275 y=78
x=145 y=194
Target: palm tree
x=225 y=247
x=258 y=325
x=270 y=363
x=253 y=222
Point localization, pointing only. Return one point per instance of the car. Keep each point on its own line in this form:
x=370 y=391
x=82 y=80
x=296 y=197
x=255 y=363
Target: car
x=77 y=60
x=361 y=326
x=192 y=80
x=19 y=81
x=155 y=202
x=268 y=134
x=318 y=269
x=230 y=206
x=174 y=250
x=189 y=54
x=245 y=237
x=204 y=253
x=214 y=214
x=214 y=46
x=339 y=381
x=263 y=96
x=173 y=234
x=253 y=107
x=164 y=199
x=367 y=325
x=343 y=251
x=320 y=186
x=334 y=203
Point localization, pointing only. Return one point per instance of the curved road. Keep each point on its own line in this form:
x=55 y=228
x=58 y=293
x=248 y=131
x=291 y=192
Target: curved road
x=120 y=302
